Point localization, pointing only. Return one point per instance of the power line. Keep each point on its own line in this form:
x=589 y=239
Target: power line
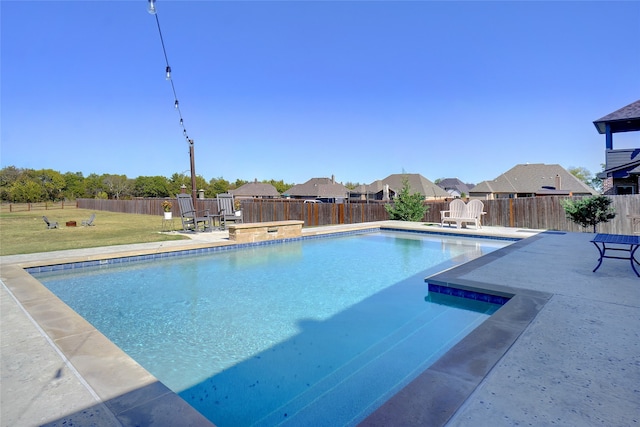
x=152 y=10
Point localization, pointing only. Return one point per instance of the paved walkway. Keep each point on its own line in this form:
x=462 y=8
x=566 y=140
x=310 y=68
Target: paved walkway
x=567 y=353
x=575 y=361
x=578 y=363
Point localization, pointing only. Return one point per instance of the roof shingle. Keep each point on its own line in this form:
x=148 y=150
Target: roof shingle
x=417 y=182
x=256 y=189
x=531 y=178
x=625 y=119
x=319 y=188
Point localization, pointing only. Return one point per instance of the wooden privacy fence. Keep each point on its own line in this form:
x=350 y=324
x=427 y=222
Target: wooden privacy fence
x=256 y=210
x=528 y=212
x=547 y=213
x=312 y=213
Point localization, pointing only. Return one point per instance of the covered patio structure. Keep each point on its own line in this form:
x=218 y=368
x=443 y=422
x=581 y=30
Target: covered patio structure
x=622 y=167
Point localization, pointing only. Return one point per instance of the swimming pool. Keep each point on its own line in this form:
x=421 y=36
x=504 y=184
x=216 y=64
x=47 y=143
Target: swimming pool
x=244 y=346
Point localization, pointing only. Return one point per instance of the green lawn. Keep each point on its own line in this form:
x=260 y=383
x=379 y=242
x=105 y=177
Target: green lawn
x=25 y=232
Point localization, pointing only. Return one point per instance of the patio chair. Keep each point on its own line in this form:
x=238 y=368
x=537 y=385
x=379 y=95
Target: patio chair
x=474 y=213
x=226 y=210
x=191 y=219
x=50 y=224
x=456 y=211
x=89 y=222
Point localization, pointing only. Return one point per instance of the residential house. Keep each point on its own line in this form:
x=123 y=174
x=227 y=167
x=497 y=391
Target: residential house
x=455 y=187
x=621 y=174
x=256 y=190
x=530 y=180
x=387 y=188
x=321 y=189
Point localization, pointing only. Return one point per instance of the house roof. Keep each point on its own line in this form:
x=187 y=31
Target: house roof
x=359 y=189
x=319 y=188
x=625 y=161
x=449 y=184
x=626 y=119
x=532 y=178
x=417 y=182
x=256 y=189
x=375 y=187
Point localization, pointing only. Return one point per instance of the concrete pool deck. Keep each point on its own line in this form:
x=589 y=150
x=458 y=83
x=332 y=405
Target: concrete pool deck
x=571 y=358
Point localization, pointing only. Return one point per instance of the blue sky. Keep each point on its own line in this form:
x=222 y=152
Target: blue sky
x=294 y=90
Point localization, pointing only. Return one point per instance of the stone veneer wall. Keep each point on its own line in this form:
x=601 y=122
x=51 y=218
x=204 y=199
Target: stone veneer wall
x=262 y=231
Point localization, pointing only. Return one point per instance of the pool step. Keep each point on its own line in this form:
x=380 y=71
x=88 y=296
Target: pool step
x=373 y=376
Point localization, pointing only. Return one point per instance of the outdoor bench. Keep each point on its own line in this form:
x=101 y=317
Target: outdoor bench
x=461 y=213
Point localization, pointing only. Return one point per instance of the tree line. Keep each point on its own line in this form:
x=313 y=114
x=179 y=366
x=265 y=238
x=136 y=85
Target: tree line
x=20 y=185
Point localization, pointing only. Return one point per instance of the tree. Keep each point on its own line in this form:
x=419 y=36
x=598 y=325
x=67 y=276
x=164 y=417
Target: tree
x=26 y=191
x=151 y=186
x=74 y=185
x=596 y=183
x=582 y=173
x=93 y=185
x=116 y=185
x=351 y=185
x=218 y=186
x=407 y=206
x=52 y=182
x=239 y=183
x=589 y=211
x=176 y=182
x=8 y=176
x=585 y=175
x=201 y=184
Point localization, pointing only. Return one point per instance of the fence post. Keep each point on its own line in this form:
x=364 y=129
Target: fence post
x=511 y=217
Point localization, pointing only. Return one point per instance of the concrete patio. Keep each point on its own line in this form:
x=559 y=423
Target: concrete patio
x=564 y=351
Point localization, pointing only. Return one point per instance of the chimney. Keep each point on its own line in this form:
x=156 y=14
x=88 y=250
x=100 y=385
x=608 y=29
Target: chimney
x=385 y=192
x=333 y=179
x=558 y=182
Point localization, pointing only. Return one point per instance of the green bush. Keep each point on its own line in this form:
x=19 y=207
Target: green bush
x=589 y=211
x=407 y=206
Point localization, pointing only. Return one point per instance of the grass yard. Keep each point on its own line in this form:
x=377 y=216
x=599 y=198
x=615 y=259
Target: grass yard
x=25 y=232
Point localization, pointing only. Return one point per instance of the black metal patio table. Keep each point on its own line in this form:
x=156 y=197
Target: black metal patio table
x=630 y=243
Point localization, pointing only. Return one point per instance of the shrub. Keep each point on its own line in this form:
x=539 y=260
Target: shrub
x=406 y=206
x=589 y=211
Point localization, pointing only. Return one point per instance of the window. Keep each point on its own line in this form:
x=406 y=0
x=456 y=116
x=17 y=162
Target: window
x=625 y=189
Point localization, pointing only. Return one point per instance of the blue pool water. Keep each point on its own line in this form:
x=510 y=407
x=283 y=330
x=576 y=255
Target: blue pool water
x=315 y=332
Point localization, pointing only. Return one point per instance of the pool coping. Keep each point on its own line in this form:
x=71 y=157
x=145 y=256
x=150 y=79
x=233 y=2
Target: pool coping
x=436 y=394
x=133 y=395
